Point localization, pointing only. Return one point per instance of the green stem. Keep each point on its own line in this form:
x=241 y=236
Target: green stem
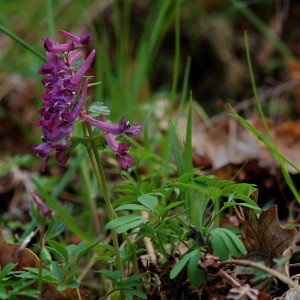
x=100 y=176
x=42 y=244
x=91 y=200
x=23 y=43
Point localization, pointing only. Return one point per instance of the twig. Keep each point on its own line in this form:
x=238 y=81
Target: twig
x=147 y=242
x=253 y=264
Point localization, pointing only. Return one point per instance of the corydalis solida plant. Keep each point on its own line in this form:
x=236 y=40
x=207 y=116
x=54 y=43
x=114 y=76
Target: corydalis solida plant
x=64 y=98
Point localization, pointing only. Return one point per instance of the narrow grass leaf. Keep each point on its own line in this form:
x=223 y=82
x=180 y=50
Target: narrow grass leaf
x=176 y=148
x=188 y=152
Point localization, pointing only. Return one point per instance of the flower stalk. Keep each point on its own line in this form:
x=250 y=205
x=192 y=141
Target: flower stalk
x=100 y=176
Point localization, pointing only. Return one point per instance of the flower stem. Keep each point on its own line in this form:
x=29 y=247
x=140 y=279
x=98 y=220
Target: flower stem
x=100 y=176
x=42 y=244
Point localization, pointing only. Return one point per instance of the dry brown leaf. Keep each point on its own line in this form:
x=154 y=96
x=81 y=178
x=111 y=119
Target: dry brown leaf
x=264 y=233
x=12 y=253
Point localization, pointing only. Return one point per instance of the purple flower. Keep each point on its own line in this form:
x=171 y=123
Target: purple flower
x=83 y=68
x=76 y=42
x=80 y=41
x=58 y=48
x=123 y=127
x=47 y=212
x=62 y=87
x=121 y=151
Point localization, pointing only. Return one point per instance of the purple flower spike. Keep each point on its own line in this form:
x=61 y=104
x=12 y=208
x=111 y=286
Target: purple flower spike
x=73 y=115
x=62 y=87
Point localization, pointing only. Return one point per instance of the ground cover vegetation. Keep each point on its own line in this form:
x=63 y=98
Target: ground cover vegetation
x=149 y=150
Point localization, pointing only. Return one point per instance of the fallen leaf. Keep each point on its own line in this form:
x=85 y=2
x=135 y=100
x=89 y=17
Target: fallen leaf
x=264 y=234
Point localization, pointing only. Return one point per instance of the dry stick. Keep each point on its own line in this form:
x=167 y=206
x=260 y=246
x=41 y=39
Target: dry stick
x=229 y=279
x=247 y=263
x=147 y=241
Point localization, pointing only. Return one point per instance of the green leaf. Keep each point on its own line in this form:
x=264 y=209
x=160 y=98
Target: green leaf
x=80 y=253
x=208 y=180
x=174 y=204
x=130 y=293
x=236 y=246
x=163 y=212
x=130 y=207
x=55 y=228
x=218 y=244
x=59 y=249
x=79 y=248
x=106 y=258
x=244 y=189
x=181 y=263
x=107 y=247
x=226 y=243
x=5 y=271
x=125 y=200
x=97 y=108
x=196 y=275
x=214 y=193
x=186 y=178
x=70 y=248
x=149 y=201
x=223 y=183
x=246 y=199
x=113 y=276
x=130 y=225
x=56 y=271
x=255 y=207
x=123 y=220
x=176 y=149
x=128 y=188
